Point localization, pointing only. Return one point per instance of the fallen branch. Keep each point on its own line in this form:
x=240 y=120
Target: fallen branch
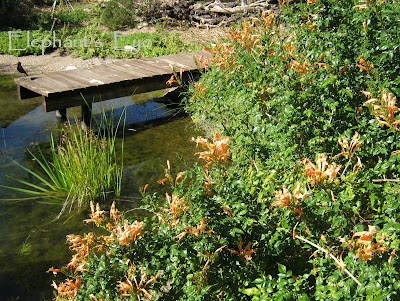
x=341 y=265
x=237 y=9
x=272 y=117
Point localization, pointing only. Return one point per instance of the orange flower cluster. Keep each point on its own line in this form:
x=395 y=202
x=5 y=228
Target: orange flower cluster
x=121 y=232
x=196 y=230
x=199 y=91
x=365 y=245
x=366 y=4
x=246 y=36
x=199 y=88
x=363 y=65
x=125 y=233
x=249 y=36
x=267 y=17
x=128 y=232
x=321 y=171
x=176 y=207
x=168 y=177
x=67 y=289
x=131 y=286
x=246 y=252
x=348 y=150
x=284 y=199
x=300 y=68
x=79 y=245
x=203 y=62
x=385 y=108
x=217 y=150
x=222 y=55
x=95 y=215
x=173 y=80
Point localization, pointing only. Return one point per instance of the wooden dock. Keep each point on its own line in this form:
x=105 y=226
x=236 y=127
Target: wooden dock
x=70 y=88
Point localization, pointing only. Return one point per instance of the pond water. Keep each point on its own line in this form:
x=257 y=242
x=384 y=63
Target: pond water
x=31 y=240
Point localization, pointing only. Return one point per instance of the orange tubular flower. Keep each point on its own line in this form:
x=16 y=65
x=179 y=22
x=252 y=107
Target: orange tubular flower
x=128 y=232
x=203 y=62
x=217 y=150
x=282 y=198
x=365 y=246
x=363 y=65
x=176 y=206
x=81 y=247
x=172 y=81
x=200 y=228
x=246 y=252
x=349 y=149
x=320 y=171
x=96 y=215
x=54 y=271
x=68 y=288
x=179 y=176
x=385 y=108
x=131 y=286
x=114 y=215
x=162 y=181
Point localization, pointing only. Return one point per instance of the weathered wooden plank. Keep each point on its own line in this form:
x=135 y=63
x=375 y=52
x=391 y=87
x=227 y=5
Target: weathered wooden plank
x=96 y=77
x=123 y=71
x=136 y=71
x=40 y=84
x=72 y=79
x=62 y=82
x=169 y=63
x=143 y=66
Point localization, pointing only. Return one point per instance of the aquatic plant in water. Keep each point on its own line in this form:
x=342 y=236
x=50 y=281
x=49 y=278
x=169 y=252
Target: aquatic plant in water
x=83 y=166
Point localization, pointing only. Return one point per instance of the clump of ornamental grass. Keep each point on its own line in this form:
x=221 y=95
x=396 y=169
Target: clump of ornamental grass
x=83 y=166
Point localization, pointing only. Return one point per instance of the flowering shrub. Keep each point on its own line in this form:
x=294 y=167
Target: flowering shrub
x=301 y=201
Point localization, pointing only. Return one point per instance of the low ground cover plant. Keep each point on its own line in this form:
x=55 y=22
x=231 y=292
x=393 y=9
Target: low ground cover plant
x=297 y=195
x=90 y=41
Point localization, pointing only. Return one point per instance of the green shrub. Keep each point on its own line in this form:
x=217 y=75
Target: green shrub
x=118 y=15
x=74 y=17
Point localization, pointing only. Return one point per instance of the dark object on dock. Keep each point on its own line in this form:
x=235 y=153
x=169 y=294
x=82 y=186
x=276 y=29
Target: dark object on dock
x=21 y=69
x=82 y=87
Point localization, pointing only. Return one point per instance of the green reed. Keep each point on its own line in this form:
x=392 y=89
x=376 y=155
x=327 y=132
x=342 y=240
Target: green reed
x=82 y=166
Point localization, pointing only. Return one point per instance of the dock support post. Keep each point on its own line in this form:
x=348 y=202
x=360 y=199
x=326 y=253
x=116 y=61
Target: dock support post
x=86 y=115
x=62 y=114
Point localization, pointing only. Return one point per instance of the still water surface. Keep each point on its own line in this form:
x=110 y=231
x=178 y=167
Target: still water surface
x=31 y=240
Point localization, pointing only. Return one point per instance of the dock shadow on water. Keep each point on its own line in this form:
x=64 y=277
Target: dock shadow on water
x=31 y=241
